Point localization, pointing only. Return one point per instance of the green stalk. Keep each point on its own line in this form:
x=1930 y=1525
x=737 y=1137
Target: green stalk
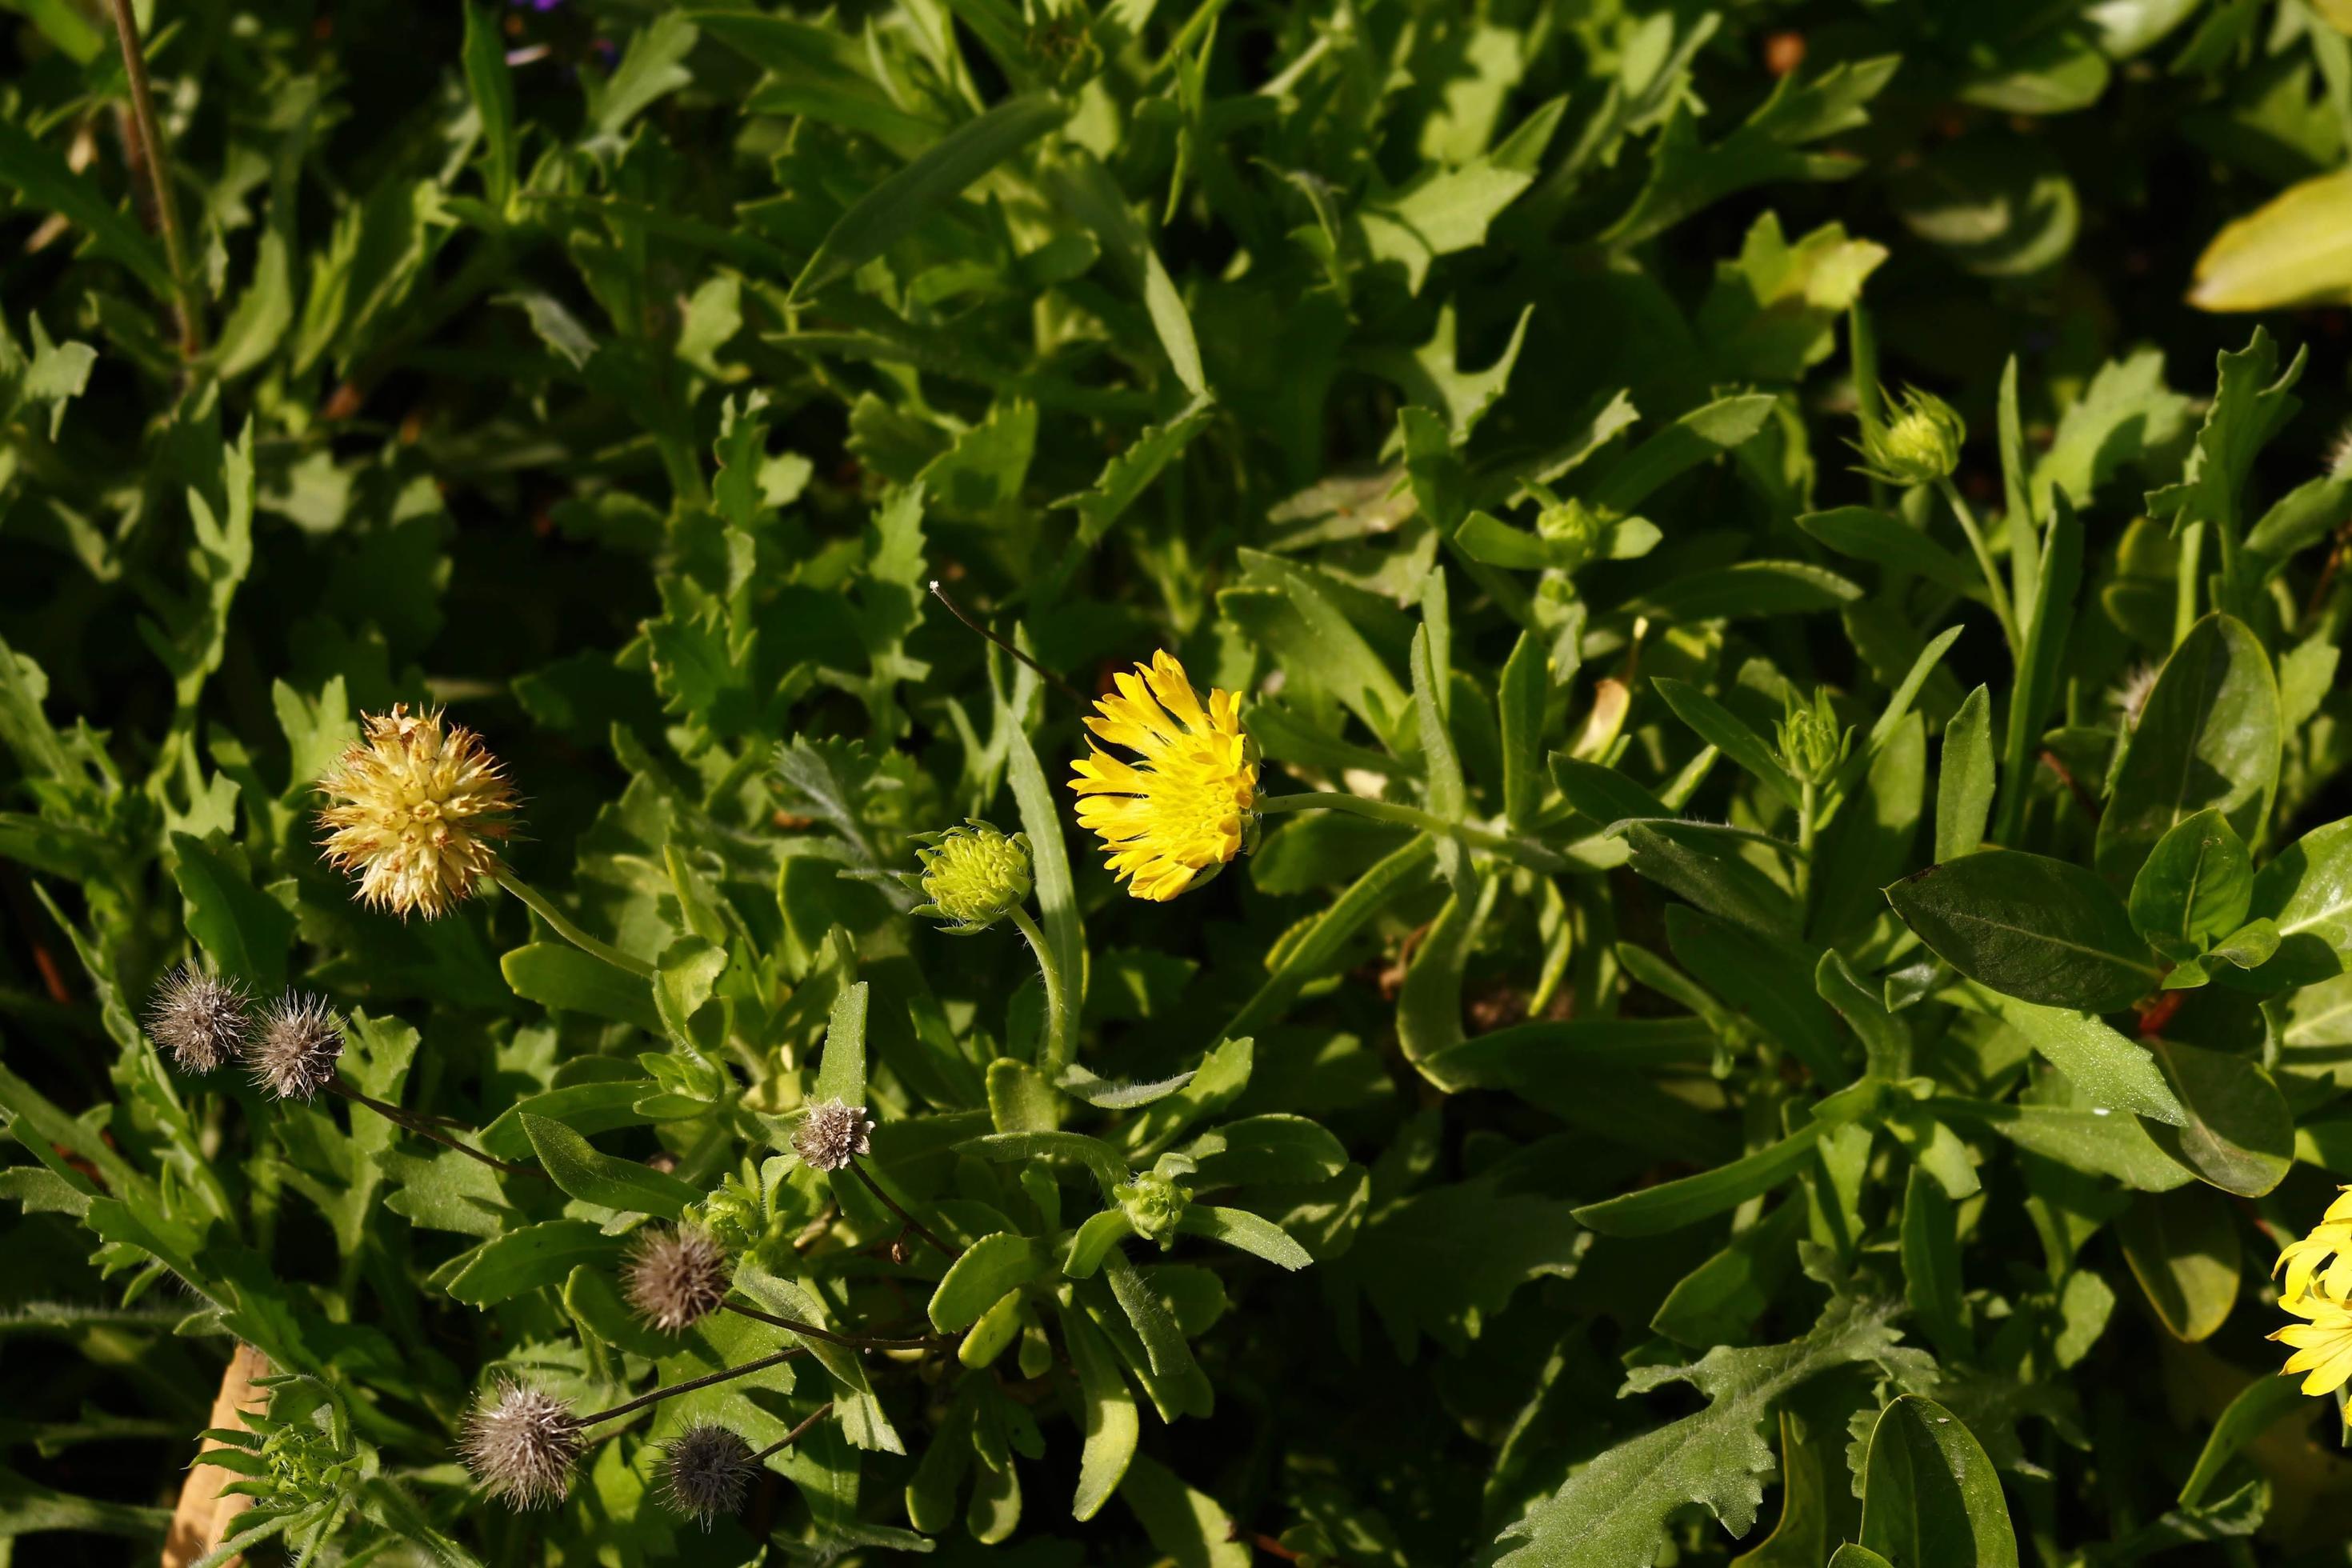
x=2001 y=608
x=565 y=928
x=1058 y=1030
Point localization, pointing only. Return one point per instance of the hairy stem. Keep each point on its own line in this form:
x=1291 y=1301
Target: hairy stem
x=848 y=1342
x=1057 y=996
x=797 y=1434
x=1072 y=692
x=554 y=917
x=152 y=152
x=670 y=1390
x=1518 y=851
x=424 y=1128
x=911 y=1222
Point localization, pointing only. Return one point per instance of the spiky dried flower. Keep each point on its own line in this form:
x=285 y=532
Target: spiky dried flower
x=706 y=1470
x=674 y=1279
x=2130 y=696
x=200 y=1017
x=520 y=1444
x=418 y=809
x=293 y=1051
x=832 y=1134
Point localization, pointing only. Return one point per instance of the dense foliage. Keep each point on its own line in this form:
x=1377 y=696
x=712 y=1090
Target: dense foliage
x=1728 y=920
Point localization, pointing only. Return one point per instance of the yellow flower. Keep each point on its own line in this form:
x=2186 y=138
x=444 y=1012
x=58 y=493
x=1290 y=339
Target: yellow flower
x=2307 y=1260
x=2318 y=1283
x=1175 y=817
x=417 y=807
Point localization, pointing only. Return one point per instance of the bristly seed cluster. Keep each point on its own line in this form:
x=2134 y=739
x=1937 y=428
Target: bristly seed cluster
x=706 y=1471
x=199 y=1017
x=521 y=1445
x=674 y=1279
x=293 y=1052
x=832 y=1134
x=418 y=809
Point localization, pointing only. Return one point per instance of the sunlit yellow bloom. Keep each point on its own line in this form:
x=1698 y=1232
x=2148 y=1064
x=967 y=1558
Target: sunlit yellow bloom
x=1176 y=816
x=417 y=810
x=2303 y=1260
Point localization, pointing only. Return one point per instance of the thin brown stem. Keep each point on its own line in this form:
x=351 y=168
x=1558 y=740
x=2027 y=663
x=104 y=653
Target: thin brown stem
x=150 y=134
x=2082 y=797
x=1072 y=692
x=797 y=1434
x=850 y=1341
x=917 y=1226
x=672 y=1389
x=425 y=1129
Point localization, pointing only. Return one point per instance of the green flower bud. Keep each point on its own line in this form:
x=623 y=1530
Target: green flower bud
x=973 y=877
x=1153 y=1204
x=1919 y=444
x=736 y=1215
x=1812 y=742
x=1574 y=530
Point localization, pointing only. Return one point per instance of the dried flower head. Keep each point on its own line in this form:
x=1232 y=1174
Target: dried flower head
x=674 y=1279
x=418 y=807
x=2131 y=697
x=973 y=876
x=1917 y=443
x=293 y=1050
x=520 y=1444
x=199 y=1017
x=706 y=1470
x=1177 y=817
x=832 y=1134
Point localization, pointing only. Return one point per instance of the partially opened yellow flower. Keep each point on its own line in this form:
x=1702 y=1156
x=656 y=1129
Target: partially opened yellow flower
x=418 y=807
x=2318 y=1288
x=2303 y=1262
x=1174 y=817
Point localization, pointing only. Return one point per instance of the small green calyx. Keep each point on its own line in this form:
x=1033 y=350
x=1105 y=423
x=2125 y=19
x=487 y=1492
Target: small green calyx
x=1812 y=744
x=1918 y=444
x=1154 y=1204
x=1574 y=530
x=738 y=1216
x=971 y=877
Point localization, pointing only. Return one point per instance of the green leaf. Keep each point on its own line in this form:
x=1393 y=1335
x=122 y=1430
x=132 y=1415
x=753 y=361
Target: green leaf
x=988 y=1268
x=2262 y=1403
x=1865 y=533
x=1931 y=1266
x=1241 y=1229
x=899 y=205
x=1720 y=728
x=40 y=176
x=2183 y=1249
x=1719 y=1301
x=1749 y=589
x=1450 y=1257
x=1964 y=780
x=2238 y=1134
x=1753 y=978
x=1524 y=695
x=1670 y=1205
x=2307 y=893
x=2109 y=1070
x=492 y=90
x=2047 y=627
x=841 y=1071
x=2207 y=739
x=1100 y=1160
x=574 y=1165
x=2295 y=249
x=248 y=933
x=1930 y=1496
x=2031 y=927
x=1705 y=433
x=2195 y=885
x=1305 y=955
x=531 y=1258
x=1110 y=1423
x=557 y=974
x=1613 y=1510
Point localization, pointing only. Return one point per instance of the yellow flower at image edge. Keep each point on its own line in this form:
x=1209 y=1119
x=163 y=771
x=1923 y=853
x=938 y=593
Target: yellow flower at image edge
x=1176 y=816
x=2318 y=1270
x=418 y=808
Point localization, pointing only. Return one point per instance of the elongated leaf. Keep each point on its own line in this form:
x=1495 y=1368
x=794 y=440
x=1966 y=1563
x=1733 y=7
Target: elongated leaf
x=1930 y=1497
x=2183 y=1248
x=2031 y=927
x=2238 y=1132
x=2208 y=738
x=2307 y=893
x=1720 y=728
x=2108 y=1069
x=1111 y=1422
x=574 y=1165
x=40 y=176
x=895 y=207
x=2196 y=884
x=988 y=1268
x=1673 y=1204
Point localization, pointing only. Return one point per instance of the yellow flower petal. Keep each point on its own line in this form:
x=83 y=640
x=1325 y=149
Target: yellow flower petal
x=1179 y=813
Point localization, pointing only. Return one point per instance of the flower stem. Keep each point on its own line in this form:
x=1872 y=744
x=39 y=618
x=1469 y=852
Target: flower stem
x=1803 y=869
x=565 y=928
x=911 y=1222
x=849 y=1342
x=795 y=1435
x=690 y=1384
x=1072 y=692
x=2001 y=608
x=424 y=1128
x=1057 y=996
x=150 y=136
x=1518 y=851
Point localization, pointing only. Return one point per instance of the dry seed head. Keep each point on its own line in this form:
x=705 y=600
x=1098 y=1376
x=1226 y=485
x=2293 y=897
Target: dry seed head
x=674 y=1278
x=706 y=1470
x=832 y=1134
x=418 y=807
x=522 y=1444
x=293 y=1050
x=199 y=1017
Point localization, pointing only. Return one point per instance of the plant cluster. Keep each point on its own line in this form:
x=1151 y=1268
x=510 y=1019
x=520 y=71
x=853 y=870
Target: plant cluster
x=1636 y=751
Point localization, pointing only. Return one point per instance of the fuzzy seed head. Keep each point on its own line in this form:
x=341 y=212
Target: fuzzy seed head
x=416 y=811
x=674 y=1279
x=706 y=1470
x=522 y=1444
x=832 y=1134
x=293 y=1049
x=199 y=1017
